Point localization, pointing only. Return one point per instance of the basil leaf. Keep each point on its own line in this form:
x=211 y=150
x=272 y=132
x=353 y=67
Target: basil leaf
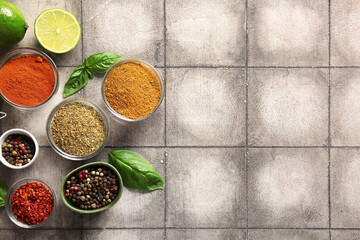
x=135 y=170
x=3 y=190
x=90 y=74
x=78 y=79
x=101 y=62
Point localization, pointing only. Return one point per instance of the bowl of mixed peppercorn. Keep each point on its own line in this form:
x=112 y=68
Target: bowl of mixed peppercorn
x=19 y=148
x=91 y=188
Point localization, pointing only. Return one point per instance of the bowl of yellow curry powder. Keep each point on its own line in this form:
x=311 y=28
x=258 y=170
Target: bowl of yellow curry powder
x=77 y=129
x=132 y=90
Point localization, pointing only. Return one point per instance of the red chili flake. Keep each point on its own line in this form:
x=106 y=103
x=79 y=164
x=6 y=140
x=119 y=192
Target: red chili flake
x=112 y=186
x=32 y=203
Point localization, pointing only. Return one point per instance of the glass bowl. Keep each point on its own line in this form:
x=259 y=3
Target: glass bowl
x=100 y=164
x=118 y=115
x=30 y=51
x=67 y=155
x=12 y=189
x=22 y=132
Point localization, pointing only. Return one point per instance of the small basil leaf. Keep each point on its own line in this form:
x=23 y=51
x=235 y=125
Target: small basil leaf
x=78 y=79
x=135 y=170
x=3 y=190
x=101 y=62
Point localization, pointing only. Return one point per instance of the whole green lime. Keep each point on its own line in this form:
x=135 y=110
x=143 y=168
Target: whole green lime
x=12 y=24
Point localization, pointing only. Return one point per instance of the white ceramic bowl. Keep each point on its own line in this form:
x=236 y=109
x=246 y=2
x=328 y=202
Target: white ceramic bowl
x=22 y=132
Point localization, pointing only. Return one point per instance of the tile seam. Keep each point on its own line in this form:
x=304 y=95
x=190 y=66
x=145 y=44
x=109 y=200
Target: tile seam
x=84 y=92
x=235 y=147
x=165 y=122
x=165 y=195
x=246 y=118
x=329 y=119
x=165 y=74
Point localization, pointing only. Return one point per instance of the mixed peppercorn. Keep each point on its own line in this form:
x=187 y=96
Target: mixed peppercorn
x=18 y=150
x=32 y=203
x=92 y=188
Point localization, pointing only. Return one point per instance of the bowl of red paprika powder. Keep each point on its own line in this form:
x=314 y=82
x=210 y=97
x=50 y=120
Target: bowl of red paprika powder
x=29 y=202
x=28 y=78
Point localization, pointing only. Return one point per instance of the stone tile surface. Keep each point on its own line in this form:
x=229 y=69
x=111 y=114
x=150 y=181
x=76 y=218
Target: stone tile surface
x=288 y=33
x=132 y=29
x=212 y=234
x=20 y=234
x=236 y=147
x=345 y=188
x=149 y=132
x=345 y=234
x=205 y=107
x=50 y=168
x=345 y=32
x=31 y=10
x=345 y=110
x=129 y=234
x=278 y=234
x=135 y=208
x=35 y=120
x=206 y=187
x=282 y=183
x=288 y=107
x=210 y=33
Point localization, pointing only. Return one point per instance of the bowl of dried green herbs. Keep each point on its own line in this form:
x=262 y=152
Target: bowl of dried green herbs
x=77 y=129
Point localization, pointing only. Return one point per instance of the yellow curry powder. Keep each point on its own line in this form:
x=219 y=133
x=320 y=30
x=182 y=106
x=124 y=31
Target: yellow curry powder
x=132 y=90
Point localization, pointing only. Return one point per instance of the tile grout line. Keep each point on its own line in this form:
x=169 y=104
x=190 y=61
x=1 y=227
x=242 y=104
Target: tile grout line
x=165 y=195
x=179 y=228
x=329 y=119
x=246 y=118
x=165 y=124
x=84 y=91
x=233 y=147
x=249 y=67
x=165 y=73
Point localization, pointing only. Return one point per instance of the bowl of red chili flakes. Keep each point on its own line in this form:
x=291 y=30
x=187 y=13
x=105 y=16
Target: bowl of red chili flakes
x=29 y=202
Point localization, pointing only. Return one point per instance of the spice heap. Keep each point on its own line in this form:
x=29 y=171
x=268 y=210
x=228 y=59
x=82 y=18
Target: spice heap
x=27 y=80
x=92 y=188
x=78 y=129
x=18 y=150
x=32 y=203
x=132 y=90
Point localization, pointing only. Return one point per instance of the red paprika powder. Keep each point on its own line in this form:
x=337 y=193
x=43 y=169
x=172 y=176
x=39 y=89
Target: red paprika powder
x=32 y=203
x=27 y=80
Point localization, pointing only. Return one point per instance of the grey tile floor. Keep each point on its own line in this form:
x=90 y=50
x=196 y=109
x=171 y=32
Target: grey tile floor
x=258 y=134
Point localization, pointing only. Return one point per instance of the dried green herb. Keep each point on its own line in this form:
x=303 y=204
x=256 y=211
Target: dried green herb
x=78 y=129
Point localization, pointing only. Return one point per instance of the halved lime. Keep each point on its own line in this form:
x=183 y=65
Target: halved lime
x=57 y=30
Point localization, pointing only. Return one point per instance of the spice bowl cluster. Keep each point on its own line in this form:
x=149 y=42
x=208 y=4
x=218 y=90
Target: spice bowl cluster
x=77 y=129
